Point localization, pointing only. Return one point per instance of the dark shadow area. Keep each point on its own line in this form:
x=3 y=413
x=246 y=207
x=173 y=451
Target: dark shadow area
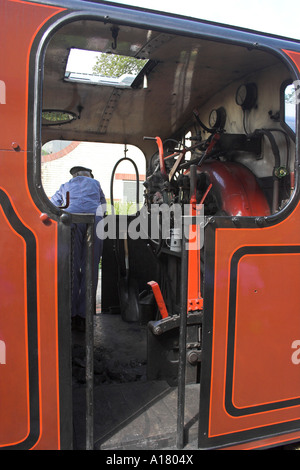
x=130 y=412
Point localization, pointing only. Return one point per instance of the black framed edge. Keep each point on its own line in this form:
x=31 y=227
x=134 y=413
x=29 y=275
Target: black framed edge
x=64 y=221
x=63 y=241
x=283 y=123
x=32 y=332
x=64 y=336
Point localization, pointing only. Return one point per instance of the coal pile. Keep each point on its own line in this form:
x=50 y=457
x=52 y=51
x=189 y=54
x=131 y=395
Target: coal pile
x=106 y=368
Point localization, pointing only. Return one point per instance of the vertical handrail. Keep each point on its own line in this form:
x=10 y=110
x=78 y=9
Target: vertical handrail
x=182 y=341
x=137 y=196
x=89 y=338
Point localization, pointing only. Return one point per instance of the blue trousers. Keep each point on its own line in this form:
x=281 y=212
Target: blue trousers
x=79 y=267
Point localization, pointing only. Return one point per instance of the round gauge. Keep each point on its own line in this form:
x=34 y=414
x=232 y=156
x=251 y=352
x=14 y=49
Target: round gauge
x=217 y=118
x=213 y=118
x=246 y=95
x=241 y=95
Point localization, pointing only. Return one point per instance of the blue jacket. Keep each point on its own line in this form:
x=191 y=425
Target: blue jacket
x=86 y=195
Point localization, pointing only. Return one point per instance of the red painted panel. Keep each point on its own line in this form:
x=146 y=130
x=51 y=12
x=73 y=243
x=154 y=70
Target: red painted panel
x=21 y=22
x=267 y=322
x=266 y=315
x=295 y=56
x=237 y=188
x=14 y=390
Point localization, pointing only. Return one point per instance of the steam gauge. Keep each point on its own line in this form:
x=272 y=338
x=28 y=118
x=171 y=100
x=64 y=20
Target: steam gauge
x=217 y=118
x=246 y=96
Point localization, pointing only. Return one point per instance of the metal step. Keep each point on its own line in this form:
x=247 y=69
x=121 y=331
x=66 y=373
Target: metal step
x=136 y=416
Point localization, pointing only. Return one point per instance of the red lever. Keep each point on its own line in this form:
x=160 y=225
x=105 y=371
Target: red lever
x=161 y=155
x=159 y=299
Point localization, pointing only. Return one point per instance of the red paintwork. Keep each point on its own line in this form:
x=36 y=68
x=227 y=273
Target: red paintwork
x=20 y=23
x=161 y=155
x=237 y=188
x=159 y=299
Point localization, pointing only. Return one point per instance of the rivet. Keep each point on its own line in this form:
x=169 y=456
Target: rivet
x=45 y=219
x=15 y=146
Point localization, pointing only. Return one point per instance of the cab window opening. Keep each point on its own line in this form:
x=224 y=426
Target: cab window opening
x=58 y=157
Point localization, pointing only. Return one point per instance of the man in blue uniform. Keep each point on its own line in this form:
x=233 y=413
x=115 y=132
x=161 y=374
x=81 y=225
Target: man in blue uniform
x=85 y=196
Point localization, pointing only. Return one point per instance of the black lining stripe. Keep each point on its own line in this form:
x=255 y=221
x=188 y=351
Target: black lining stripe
x=29 y=238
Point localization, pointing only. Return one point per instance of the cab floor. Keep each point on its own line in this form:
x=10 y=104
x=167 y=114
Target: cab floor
x=136 y=416
x=130 y=412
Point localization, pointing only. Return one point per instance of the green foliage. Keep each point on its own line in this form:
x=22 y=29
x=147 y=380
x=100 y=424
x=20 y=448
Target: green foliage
x=54 y=116
x=290 y=96
x=111 y=65
x=122 y=208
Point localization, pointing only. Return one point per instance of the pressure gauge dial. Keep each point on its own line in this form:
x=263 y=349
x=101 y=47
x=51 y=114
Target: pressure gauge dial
x=246 y=96
x=217 y=118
